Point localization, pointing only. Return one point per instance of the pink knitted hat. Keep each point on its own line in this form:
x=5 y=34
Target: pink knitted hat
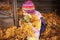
x=28 y=5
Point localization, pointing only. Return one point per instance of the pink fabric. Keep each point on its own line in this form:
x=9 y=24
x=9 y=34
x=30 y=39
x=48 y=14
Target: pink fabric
x=29 y=4
x=38 y=14
x=37 y=31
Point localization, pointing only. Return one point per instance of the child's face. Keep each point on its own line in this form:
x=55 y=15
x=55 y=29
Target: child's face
x=29 y=11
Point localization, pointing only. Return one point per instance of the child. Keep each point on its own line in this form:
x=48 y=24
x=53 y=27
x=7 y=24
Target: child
x=33 y=18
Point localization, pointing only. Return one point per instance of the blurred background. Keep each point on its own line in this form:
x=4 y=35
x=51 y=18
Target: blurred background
x=50 y=10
